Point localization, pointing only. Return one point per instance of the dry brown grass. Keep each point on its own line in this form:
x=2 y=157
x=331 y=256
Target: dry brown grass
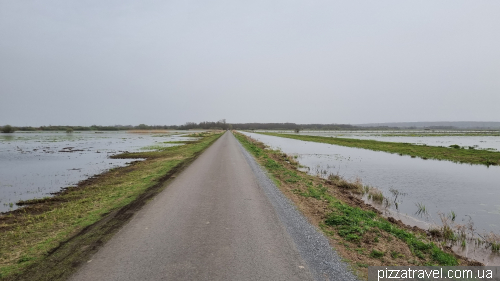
x=149 y=131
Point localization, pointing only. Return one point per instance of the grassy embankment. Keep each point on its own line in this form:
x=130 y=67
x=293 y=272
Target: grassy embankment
x=356 y=230
x=457 y=154
x=442 y=134
x=48 y=238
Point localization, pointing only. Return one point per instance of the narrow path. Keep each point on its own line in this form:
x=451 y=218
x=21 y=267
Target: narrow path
x=214 y=222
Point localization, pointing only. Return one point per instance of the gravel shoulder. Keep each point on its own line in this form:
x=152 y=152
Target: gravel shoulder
x=323 y=262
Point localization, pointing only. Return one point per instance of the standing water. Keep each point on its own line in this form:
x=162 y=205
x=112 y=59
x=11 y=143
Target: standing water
x=472 y=192
x=34 y=165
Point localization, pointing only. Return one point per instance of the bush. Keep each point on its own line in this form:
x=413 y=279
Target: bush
x=7 y=129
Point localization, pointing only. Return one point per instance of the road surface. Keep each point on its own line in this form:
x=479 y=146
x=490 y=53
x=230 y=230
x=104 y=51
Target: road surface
x=216 y=221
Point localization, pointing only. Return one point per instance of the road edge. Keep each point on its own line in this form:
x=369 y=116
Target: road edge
x=321 y=259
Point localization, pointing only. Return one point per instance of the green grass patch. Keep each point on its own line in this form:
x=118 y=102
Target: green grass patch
x=180 y=142
x=157 y=147
x=353 y=222
x=199 y=135
x=458 y=155
x=376 y=254
x=443 y=134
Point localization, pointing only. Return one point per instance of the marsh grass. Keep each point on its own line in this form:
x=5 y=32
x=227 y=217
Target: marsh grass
x=355 y=186
x=451 y=233
x=421 y=209
x=452 y=216
x=376 y=196
x=493 y=240
x=447 y=228
x=458 y=155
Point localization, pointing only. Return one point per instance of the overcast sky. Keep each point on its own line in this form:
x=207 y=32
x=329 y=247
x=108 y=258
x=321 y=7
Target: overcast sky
x=170 y=62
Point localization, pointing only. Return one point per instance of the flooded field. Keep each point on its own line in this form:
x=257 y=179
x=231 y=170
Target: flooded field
x=421 y=189
x=34 y=165
x=489 y=140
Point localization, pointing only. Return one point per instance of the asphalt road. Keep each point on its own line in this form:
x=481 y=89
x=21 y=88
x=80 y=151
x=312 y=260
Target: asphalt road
x=215 y=221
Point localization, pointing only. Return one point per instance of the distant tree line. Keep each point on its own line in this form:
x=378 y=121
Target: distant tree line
x=448 y=125
x=293 y=126
x=206 y=125
x=219 y=125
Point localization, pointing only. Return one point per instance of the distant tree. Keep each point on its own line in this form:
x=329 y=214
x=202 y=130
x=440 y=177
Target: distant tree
x=142 y=127
x=297 y=130
x=8 y=129
x=69 y=130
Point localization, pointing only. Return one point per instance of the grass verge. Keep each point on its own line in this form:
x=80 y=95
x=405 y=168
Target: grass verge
x=455 y=154
x=356 y=230
x=443 y=134
x=50 y=237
